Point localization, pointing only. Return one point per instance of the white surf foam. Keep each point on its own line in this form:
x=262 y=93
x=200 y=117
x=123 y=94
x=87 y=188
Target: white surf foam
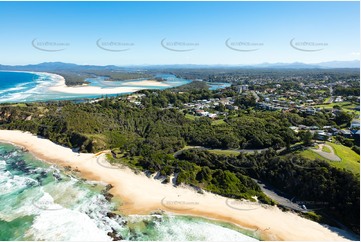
x=180 y=230
x=175 y=228
x=10 y=183
x=65 y=224
x=39 y=92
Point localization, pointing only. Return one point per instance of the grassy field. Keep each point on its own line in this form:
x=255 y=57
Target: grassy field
x=309 y=154
x=349 y=158
x=326 y=149
x=345 y=106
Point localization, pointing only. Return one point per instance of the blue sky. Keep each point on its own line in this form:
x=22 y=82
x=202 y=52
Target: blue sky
x=259 y=31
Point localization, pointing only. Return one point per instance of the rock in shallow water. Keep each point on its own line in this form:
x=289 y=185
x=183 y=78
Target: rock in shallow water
x=114 y=235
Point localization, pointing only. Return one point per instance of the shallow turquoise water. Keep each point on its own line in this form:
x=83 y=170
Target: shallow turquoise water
x=28 y=87
x=39 y=201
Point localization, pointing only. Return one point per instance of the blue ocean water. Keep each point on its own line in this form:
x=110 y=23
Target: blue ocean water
x=39 y=201
x=25 y=87
x=11 y=79
x=29 y=87
x=13 y=83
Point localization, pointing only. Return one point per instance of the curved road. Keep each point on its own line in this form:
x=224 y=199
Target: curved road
x=237 y=150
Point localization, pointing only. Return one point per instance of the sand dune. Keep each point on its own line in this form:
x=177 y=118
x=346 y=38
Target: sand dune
x=142 y=195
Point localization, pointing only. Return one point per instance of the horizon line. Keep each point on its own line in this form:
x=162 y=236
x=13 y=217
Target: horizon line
x=189 y=64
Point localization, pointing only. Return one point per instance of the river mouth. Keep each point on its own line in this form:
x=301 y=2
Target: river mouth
x=40 y=86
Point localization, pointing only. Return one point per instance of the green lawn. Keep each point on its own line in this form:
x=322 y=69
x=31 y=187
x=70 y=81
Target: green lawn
x=326 y=149
x=349 y=158
x=345 y=106
x=309 y=154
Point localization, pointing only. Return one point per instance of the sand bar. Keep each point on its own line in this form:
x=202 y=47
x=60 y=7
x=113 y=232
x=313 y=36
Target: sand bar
x=142 y=195
x=60 y=86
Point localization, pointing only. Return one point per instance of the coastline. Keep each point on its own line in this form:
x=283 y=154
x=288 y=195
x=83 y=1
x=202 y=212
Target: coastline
x=142 y=195
x=60 y=86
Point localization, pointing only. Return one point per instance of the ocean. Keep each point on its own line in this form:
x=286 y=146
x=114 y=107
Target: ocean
x=29 y=87
x=39 y=201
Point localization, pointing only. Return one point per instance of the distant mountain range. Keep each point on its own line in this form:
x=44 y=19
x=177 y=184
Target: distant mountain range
x=52 y=66
x=294 y=65
x=299 y=65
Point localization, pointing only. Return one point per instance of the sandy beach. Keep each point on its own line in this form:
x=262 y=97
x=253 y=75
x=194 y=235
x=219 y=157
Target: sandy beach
x=60 y=86
x=52 y=87
x=142 y=195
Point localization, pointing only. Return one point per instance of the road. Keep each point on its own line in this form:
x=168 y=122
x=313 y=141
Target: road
x=249 y=151
x=276 y=196
x=332 y=97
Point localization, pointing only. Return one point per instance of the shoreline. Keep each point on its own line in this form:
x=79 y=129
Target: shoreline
x=59 y=85
x=142 y=195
